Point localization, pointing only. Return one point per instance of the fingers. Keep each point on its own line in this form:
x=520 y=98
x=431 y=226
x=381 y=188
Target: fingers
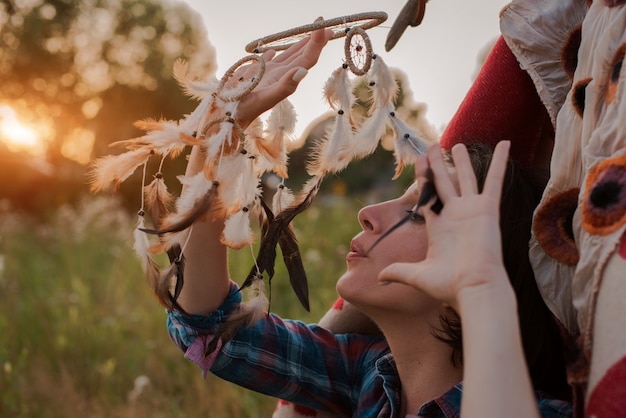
x=443 y=182
x=306 y=52
x=421 y=166
x=464 y=171
x=495 y=175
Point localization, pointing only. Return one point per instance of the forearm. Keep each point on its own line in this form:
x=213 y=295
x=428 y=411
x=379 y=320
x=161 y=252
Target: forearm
x=206 y=267
x=496 y=378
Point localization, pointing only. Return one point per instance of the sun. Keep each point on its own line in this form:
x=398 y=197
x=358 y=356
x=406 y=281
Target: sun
x=17 y=135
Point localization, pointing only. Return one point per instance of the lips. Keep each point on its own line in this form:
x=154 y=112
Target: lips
x=356 y=250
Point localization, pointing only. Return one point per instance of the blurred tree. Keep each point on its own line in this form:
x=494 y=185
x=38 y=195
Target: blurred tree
x=80 y=73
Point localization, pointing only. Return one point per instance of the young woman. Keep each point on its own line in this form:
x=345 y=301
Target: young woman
x=454 y=265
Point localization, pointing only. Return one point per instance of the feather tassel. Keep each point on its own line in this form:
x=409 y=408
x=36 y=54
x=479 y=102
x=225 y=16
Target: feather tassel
x=338 y=90
x=408 y=144
x=158 y=199
x=293 y=262
x=281 y=126
x=373 y=129
x=240 y=184
x=192 y=88
x=266 y=257
x=188 y=212
x=283 y=198
x=162 y=288
x=116 y=168
x=335 y=152
x=237 y=232
x=385 y=88
x=164 y=137
x=141 y=246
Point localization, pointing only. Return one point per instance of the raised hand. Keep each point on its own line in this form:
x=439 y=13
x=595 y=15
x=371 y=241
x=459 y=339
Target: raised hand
x=464 y=253
x=282 y=75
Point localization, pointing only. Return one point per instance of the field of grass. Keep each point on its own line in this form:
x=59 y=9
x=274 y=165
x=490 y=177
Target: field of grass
x=82 y=336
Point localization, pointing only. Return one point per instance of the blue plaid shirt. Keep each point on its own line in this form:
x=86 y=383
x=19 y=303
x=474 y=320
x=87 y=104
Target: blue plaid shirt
x=349 y=375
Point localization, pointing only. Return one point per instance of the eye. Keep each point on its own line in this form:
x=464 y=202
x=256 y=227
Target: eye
x=415 y=217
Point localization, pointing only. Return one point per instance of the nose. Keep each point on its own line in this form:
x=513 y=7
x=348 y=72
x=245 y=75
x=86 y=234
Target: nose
x=369 y=217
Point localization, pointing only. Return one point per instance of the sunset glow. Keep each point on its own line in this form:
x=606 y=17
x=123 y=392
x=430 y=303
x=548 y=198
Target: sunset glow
x=18 y=136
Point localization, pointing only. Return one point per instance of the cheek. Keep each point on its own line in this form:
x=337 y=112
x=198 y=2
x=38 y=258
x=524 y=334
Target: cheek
x=413 y=248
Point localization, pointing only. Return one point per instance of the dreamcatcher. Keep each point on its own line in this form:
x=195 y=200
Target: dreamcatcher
x=235 y=159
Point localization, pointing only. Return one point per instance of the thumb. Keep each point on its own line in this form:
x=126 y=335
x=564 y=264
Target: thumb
x=407 y=273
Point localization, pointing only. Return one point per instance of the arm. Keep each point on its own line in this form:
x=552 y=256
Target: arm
x=464 y=269
x=206 y=275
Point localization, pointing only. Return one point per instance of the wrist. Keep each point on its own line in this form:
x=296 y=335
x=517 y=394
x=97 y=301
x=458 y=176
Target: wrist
x=491 y=295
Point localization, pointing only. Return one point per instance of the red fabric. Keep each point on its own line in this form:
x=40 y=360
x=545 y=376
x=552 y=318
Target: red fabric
x=502 y=104
x=608 y=399
x=338 y=305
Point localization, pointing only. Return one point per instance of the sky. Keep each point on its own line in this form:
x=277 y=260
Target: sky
x=439 y=57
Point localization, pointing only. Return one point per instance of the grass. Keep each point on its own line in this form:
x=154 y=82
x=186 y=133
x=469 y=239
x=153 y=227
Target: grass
x=79 y=328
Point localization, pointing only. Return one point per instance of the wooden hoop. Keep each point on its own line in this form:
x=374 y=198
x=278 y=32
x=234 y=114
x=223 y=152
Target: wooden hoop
x=283 y=40
x=348 y=51
x=254 y=81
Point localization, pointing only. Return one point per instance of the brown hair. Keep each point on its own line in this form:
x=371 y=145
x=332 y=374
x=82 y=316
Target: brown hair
x=541 y=337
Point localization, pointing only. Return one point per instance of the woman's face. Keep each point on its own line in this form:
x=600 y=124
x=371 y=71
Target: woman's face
x=408 y=243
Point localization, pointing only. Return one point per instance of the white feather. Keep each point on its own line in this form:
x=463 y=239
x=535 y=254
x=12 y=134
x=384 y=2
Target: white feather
x=385 y=88
x=237 y=232
x=408 y=144
x=338 y=90
x=408 y=136
x=116 y=168
x=279 y=135
x=141 y=243
x=282 y=119
x=283 y=198
x=373 y=129
x=238 y=182
x=193 y=122
x=194 y=187
x=216 y=142
x=335 y=152
x=193 y=88
x=249 y=182
x=164 y=137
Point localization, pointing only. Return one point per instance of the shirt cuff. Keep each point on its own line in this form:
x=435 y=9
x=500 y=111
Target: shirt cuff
x=184 y=330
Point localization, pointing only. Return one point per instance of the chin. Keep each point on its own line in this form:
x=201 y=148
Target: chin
x=357 y=288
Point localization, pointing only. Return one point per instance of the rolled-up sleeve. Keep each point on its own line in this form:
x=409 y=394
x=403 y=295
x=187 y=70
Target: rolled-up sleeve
x=193 y=333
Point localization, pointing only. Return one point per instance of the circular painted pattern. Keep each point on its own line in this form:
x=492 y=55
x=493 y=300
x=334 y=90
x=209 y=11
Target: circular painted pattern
x=604 y=205
x=552 y=227
x=569 y=52
x=579 y=94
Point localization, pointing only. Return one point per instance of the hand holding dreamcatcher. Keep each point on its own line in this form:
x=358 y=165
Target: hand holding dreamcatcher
x=237 y=149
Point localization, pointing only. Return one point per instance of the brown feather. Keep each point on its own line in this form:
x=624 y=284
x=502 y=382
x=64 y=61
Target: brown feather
x=197 y=212
x=158 y=200
x=293 y=261
x=276 y=226
x=164 y=283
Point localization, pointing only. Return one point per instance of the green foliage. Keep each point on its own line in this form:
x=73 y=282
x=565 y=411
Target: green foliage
x=86 y=71
x=79 y=324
